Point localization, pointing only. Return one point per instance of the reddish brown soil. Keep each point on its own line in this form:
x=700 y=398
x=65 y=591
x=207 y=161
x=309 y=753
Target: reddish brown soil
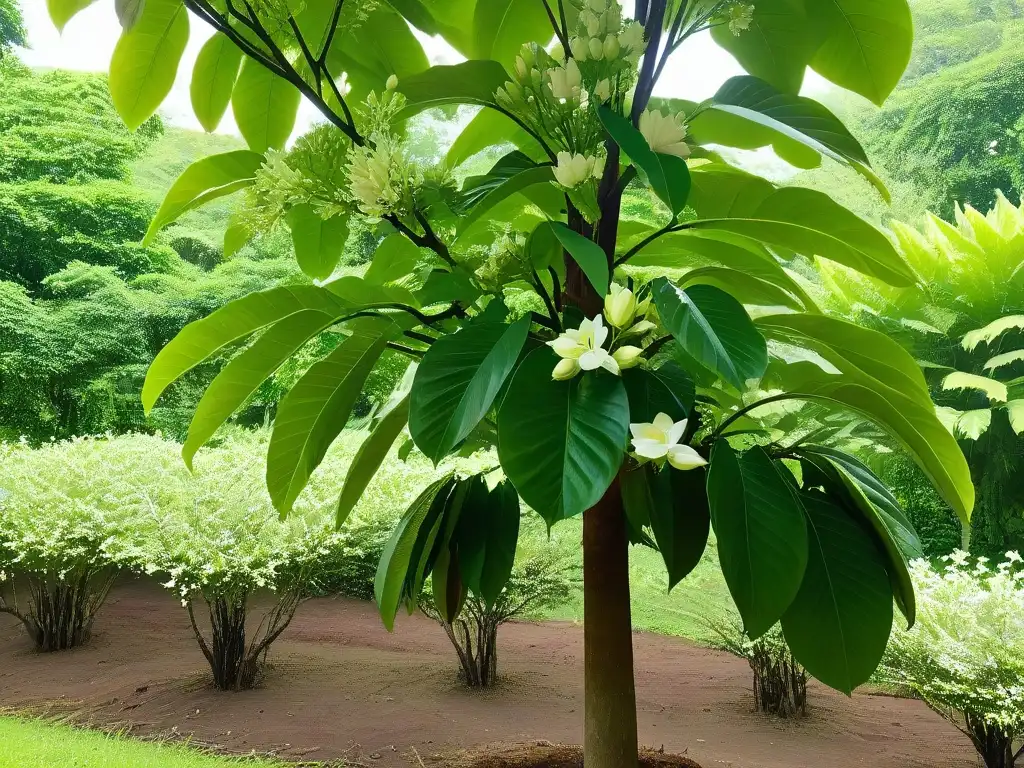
x=545 y=756
x=342 y=687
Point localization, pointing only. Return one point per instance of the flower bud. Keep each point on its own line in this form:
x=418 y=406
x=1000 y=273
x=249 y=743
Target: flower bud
x=611 y=47
x=603 y=90
x=527 y=55
x=392 y=83
x=565 y=370
x=535 y=77
x=522 y=71
x=620 y=306
x=580 y=49
x=627 y=357
x=596 y=48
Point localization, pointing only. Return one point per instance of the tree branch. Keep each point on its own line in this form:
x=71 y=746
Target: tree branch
x=666 y=230
x=560 y=33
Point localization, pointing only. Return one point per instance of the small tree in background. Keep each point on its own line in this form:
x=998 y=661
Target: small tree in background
x=609 y=392
x=541 y=580
x=965 y=657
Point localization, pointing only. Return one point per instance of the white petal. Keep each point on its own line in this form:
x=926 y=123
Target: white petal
x=593 y=359
x=567 y=348
x=684 y=457
x=675 y=434
x=647 y=432
x=610 y=364
x=649 y=449
x=663 y=422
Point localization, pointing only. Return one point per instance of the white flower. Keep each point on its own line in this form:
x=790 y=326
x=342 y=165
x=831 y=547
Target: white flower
x=573 y=170
x=603 y=90
x=1014 y=557
x=565 y=81
x=392 y=83
x=585 y=346
x=370 y=174
x=620 y=306
x=664 y=134
x=660 y=440
x=632 y=37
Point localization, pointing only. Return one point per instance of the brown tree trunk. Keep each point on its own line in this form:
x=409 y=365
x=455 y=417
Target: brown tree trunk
x=610 y=728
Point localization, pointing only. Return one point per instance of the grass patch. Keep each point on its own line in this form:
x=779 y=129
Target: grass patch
x=37 y=744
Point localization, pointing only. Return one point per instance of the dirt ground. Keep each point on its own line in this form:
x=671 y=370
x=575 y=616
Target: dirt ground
x=341 y=687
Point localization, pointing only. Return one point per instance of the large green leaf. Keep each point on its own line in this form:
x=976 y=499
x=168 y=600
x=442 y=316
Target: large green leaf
x=839 y=622
x=994 y=390
x=265 y=107
x=471 y=82
x=866 y=45
x=62 y=11
x=866 y=493
x=720 y=191
x=452 y=20
x=587 y=254
x=317 y=407
x=202 y=182
x=501 y=27
x=515 y=173
x=781 y=41
x=213 y=80
x=761 y=532
x=487 y=129
x=849 y=346
x=561 y=443
x=744 y=287
x=457 y=381
x=487 y=537
x=395 y=562
x=811 y=223
x=395 y=258
x=714 y=329
x=246 y=371
x=233 y=322
x=145 y=60
x=748 y=113
x=667 y=389
x=369 y=457
x=668 y=175
x=318 y=243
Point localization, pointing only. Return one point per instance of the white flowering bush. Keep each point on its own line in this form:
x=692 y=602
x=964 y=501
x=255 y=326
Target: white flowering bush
x=67 y=530
x=965 y=657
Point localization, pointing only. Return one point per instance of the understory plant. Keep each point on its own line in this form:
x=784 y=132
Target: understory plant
x=965 y=657
x=538 y=581
x=612 y=363
x=780 y=683
x=66 y=533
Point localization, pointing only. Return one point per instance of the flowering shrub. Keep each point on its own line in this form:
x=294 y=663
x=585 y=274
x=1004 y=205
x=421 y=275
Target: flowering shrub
x=965 y=657
x=66 y=530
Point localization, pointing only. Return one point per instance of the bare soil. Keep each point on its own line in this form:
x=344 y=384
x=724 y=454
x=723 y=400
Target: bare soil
x=341 y=688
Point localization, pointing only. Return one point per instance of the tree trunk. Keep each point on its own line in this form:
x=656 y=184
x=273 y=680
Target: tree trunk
x=610 y=728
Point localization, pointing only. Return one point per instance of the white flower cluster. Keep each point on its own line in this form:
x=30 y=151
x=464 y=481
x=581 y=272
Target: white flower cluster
x=666 y=134
x=966 y=653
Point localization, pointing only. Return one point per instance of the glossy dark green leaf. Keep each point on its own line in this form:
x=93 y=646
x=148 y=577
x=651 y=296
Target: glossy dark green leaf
x=839 y=622
x=743 y=287
x=680 y=518
x=588 y=254
x=761 y=531
x=318 y=243
x=487 y=537
x=317 y=407
x=513 y=174
x=714 y=329
x=562 y=443
x=457 y=381
x=665 y=390
x=668 y=175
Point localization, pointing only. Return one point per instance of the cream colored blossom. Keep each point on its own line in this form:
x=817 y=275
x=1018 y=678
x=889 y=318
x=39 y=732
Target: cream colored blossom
x=585 y=347
x=665 y=134
x=565 y=81
x=659 y=440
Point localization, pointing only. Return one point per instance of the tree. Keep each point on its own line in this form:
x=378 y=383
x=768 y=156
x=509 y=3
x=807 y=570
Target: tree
x=598 y=343
x=12 y=25
x=964 y=321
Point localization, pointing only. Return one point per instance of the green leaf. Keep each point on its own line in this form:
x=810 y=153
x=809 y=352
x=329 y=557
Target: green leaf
x=395 y=258
x=235 y=321
x=680 y=518
x=720 y=191
x=487 y=129
x=1007 y=358
x=812 y=224
x=514 y=173
x=866 y=45
x=62 y=11
x=587 y=254
x=393 y=569
x=448 y=590
x=145 y=61
x=714 y=329
x=973 y=424
x=213 y=80
x=1015 y=410
x=778 y=45
x=851 y=347
x=500 y=27
x=561 y=443
x=743 y=287
x=237 y=235
x=669 y=176
x=996 y=391
x=993 y=331
x=839 y=622
x=665 y=390
x=202 y=182
x=471 y=82
x=761 y=531
x=487 y=537
x=128 y=12
x=318 y=243
x=866 y=493
x=749 y=113
x=316 y=409
x=265 y=107
x=246 y=371
x=457 y=381
x=369 y=457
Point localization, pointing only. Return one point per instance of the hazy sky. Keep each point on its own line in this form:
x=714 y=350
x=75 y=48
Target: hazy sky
x=89 y=39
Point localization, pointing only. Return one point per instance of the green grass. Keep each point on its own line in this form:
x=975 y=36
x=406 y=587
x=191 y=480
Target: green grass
x=35 y=744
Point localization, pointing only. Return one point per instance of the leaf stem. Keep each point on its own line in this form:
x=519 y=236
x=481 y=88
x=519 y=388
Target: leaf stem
x=753 y=406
